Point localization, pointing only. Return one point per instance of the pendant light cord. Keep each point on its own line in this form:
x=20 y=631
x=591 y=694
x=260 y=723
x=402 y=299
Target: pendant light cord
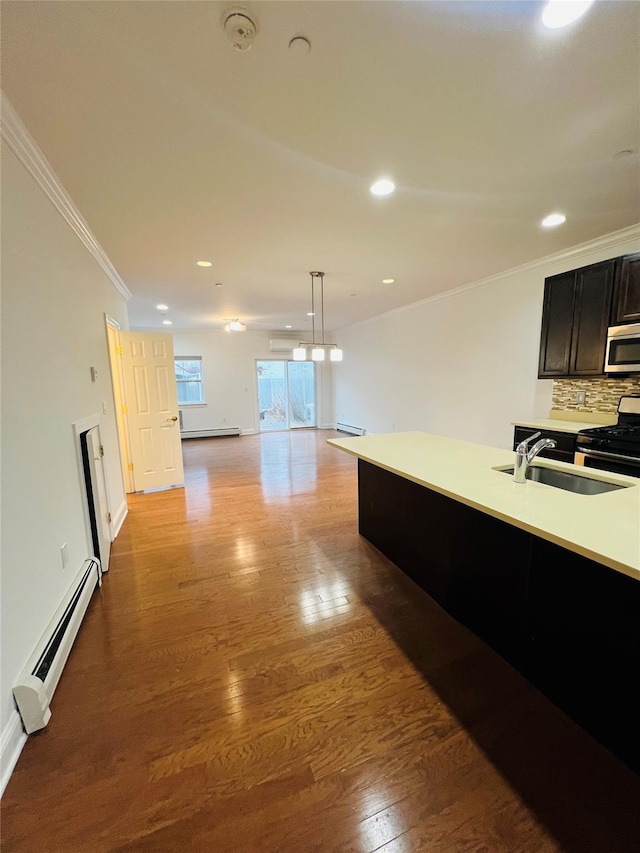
x=313 y=314
x=314 y=276
x=322 y=304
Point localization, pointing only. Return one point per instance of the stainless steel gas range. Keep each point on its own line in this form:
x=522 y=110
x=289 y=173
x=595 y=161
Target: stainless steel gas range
x=613 y=448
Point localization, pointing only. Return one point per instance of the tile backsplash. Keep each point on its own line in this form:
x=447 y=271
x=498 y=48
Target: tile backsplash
x=601 y=395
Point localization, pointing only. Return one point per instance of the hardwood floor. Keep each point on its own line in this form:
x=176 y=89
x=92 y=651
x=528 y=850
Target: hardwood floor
x=254 y=676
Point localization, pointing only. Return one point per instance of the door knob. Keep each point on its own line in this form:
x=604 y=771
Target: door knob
x=174 y=418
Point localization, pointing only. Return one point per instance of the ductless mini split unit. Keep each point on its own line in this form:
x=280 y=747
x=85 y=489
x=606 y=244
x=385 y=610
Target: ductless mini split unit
x=283 y=344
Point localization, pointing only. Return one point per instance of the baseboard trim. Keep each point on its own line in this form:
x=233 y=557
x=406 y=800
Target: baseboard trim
x=248 y=432
x=11 y=744
x=118 y=519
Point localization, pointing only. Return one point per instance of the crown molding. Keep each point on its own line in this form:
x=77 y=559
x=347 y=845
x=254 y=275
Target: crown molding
x=582 y=250
x=23 y=145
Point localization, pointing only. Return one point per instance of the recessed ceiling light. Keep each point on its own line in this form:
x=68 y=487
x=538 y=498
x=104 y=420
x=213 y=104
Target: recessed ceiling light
x=218 y=284
x=288 y=327
x=300 y=45
x=559 y=13
x=204 y=263
x=353 y=294
x=388 y=280
x=626 y=152
x=553 y=219
x=166 y=322
x=382 y=187
x=162 y=307
x=310 y=314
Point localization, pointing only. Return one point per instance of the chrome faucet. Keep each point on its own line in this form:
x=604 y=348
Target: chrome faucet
x=525 y=456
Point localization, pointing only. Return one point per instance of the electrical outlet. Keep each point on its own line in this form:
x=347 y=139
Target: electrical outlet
x=581 y=397
x=64 y=553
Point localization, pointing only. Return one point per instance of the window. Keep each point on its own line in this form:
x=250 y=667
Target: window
x=189 y=380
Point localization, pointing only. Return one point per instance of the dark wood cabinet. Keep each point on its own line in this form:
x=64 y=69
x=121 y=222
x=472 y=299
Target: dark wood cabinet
x=582 y=644
x=411 y=525
x=473 y=565
x=570 y=625
x=487 y=579
x=557 y=325
x=626 y=299
x=594 y=290
x=565 y=442
x=575 y=318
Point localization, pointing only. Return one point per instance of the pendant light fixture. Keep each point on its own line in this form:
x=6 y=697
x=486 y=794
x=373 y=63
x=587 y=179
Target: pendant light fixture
x=318 y=347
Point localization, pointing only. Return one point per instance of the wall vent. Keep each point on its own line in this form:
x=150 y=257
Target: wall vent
x=40 y=677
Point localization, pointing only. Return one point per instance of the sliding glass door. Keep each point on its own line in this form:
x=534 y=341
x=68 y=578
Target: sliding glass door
x=302 y=393
x=286 y=394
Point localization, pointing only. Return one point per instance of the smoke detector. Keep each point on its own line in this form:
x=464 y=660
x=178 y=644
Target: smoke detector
x=240 y=29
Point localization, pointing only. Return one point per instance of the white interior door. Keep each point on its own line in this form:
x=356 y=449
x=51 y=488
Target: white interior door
x=99 y=495
x=117 y=380
x=152 y=410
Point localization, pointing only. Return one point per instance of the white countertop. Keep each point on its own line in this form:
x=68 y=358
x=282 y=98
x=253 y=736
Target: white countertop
x=557 y=424
x=561 y=425
x=604 y=527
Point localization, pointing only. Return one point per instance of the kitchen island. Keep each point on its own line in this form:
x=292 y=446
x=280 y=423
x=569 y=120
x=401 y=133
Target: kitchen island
x=548 y=578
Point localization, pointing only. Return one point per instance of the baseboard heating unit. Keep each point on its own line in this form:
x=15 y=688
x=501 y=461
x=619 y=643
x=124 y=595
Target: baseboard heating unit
x=351 y=429
x=209 y=433
x=39 y=679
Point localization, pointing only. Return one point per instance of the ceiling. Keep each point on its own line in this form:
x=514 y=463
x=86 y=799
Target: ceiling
x=176 y=147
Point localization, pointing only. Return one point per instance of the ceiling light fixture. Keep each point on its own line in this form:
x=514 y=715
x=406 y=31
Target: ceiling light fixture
x=204 y=263
x=162 y=307
x=288 y=327
x=553 y=220
x=234 y=326
x=560 y=13
x=388 y=280
x=382 y=187
x=318 y=348
x=167 y=323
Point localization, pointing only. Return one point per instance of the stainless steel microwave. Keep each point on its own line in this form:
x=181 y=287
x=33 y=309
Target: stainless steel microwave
x=623 y=349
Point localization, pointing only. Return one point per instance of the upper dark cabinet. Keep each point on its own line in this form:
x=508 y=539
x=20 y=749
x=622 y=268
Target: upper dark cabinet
x=575 y=318
x=626 y=297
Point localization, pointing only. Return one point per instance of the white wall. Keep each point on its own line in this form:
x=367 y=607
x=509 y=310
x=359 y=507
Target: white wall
x=54 y=297
x=230 y=383
x=464 y=364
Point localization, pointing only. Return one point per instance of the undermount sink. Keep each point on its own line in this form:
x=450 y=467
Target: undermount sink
x=566 y=480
